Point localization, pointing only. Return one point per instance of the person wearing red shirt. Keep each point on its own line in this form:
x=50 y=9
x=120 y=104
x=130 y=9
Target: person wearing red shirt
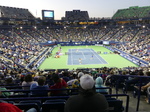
x=59 y=83
x=7 y=107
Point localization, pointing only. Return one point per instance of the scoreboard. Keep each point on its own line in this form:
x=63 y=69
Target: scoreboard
x=48 y=15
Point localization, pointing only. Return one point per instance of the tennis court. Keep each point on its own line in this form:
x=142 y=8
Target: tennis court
x=71 y=60
x=84 y=57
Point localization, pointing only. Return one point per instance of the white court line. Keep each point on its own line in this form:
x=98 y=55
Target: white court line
x=83 y=55
x=78 y=59
x=71 y=58
x=96 y=56
x=93 y=52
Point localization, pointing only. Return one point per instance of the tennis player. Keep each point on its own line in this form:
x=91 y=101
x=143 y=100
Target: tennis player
x=92 y=56
x=80 y=60
x=77 y=50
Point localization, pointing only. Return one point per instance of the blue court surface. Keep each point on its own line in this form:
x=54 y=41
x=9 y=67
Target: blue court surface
x=84 y=57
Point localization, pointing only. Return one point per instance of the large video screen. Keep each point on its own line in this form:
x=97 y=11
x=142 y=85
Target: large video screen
x=48 y=14
x=106 y=42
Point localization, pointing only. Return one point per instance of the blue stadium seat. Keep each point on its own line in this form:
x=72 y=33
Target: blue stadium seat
x=55 y=100
x=53 y=106
x=27 y=106
x=115 y=105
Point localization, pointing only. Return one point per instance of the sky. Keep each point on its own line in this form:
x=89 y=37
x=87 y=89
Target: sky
x=95 y=8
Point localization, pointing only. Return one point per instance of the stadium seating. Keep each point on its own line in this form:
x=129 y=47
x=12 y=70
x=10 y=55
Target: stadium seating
x=76 y=15
x=12 y=12
x=56 y=103
x=132 y=12
x=53 y=105
x=115 y=105
x=27 y=106
x=23 y=48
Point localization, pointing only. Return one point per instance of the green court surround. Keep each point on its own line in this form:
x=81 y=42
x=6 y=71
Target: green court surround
x=113 y=60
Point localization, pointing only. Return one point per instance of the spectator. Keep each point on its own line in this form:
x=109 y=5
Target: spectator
x=4 y=94
x=39 y=89
x=87 y=100
x=28 y=81
x=99 y=84
x=148 y=95
x=130 y=83
x=144 y=87
x=59 y=83
x=65 y=76
x=74 y=83
x=8 y=107
x=9 y=81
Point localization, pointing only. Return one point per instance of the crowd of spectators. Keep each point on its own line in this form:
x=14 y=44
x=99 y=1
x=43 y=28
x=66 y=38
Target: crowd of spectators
x=21 y=46
x=38 y=82
x=18 y=49
x=138 y=45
